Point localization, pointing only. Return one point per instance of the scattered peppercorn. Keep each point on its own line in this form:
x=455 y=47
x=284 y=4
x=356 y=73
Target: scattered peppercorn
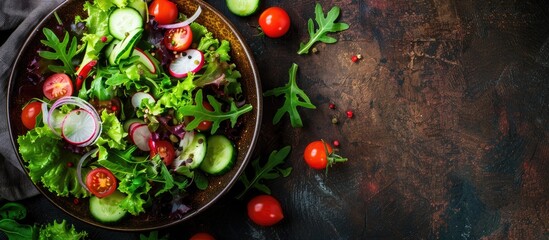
x=359 y=56
x=332 y=106
x=314 y=50
x=336 y=143
x=76 y=201
x=70 y=164
x=114 y=108
x=354 y=58
x=334 y=120
x=349 y=114
x=104 y=39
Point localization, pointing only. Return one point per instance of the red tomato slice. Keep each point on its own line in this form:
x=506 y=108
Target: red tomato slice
x=163 y=11
x=178 y=39
x=57 y=85
x=29 y=114
x=163 y=148
x=101 y=182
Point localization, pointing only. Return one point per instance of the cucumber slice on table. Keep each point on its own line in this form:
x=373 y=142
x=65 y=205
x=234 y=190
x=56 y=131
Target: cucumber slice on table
x=124 y=20
x=220 y=155
x=243 y=7
x=107 y=209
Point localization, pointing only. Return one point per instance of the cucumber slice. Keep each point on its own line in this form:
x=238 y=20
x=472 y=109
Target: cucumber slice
x=122 y=50
x=192 y=154
x=220 y=155
x=243 y=7
x=107 y=209
x=124 y=20
x=141 y=7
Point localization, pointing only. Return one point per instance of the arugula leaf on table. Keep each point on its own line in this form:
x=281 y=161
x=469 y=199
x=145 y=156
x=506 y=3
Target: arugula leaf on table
x=153 y=236
x=13 y=210
x=325 y=25
x=61 y=51
x=200 y=113
x=269 y=171
x=17 y=231
x=295 y=97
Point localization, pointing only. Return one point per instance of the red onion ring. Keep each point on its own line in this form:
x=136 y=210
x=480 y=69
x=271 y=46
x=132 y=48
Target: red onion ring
x=79 y=167
x=184 y=23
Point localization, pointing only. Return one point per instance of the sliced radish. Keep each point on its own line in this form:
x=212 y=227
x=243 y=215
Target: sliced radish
x=138 y=97
x=79 y=127
x=145 y=59
x=131 y=129
x=191 y=60
x=140 y=136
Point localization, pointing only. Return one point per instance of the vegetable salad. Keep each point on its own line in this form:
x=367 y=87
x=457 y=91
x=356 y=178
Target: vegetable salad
x=132 y=109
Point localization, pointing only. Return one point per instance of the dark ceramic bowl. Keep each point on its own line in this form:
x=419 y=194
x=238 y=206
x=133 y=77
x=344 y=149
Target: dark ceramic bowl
x=21 y=90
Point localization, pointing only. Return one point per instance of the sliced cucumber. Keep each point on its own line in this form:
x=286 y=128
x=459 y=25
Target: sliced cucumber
x=124 y=20
x=141 y=7
x=123 y=49
x=243 y=7
x=220 y=155
x=107 y=209
x=193 y=153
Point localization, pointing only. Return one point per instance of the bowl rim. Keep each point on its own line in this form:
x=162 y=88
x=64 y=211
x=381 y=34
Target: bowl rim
x=247 y=155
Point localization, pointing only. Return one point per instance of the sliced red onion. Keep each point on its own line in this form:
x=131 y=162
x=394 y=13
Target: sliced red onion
x=184 y=23
x=79 y=103
x=79 y=167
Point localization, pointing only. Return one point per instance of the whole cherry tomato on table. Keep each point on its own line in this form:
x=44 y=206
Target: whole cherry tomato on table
x=163 y=11
x=265 y=210
x=202 y=236
x=29 y=114
x=319 y=154
x=274 y=22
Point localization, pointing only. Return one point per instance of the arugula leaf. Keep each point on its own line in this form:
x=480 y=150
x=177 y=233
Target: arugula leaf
x=61 y=51
x=269 y=171
x=17 y=231
x=325 y=25
x=295 y=97
x=12 y=210
x=153 y=236
x=200 y=113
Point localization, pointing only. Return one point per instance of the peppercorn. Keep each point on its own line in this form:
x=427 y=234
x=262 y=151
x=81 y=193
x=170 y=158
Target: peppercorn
x=332 y=106
x=354 y=58
x=336 y=143
x=349 y=114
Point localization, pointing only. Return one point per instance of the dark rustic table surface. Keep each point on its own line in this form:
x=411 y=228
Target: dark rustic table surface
x=450 y=134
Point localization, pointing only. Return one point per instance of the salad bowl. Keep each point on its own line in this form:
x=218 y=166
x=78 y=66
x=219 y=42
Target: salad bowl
x=23 y=88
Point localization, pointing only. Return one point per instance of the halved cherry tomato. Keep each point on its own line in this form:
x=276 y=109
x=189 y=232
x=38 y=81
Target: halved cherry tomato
x=204 y=125
x=163 y=148
x=178 y=39
x=101 y=182
x=202 y=236
x=57 y=85
x=29 y=114
x=265 y=210
x=315 y=154
x=274 y=22
x=163 y=11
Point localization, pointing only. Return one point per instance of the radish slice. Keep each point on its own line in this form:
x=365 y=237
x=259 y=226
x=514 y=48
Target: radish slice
x=140 y=136
x=79 y=127
x=145 y=59
x=138 y=97
x=191 y=60
x=184 y=23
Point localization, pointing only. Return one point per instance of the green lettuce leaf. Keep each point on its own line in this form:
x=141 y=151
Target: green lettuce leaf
x=113 y=133
x=60 y=231
x=48 y=163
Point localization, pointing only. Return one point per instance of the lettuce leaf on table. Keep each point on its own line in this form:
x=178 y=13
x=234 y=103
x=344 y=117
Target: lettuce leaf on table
x=48 y=162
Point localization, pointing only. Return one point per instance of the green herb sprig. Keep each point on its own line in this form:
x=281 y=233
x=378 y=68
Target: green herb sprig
x=325 y=25
x=62 y=51
x=295 y=97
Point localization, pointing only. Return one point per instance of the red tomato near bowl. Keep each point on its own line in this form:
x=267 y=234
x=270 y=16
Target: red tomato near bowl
x=265 y=210
x=315 y=154
x=163 y=11
x=57 y=85
x=202 y=236
x=163 y=148
x=101 y=182
x=178 y=39
x=274 y=22
x=29 y=114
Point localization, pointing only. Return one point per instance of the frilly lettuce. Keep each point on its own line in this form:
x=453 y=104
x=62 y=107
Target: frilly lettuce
x=60 y=231
x=113 y=133
x=48 y=163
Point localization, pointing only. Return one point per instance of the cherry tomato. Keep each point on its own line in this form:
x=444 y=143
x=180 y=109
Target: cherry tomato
x=265 y=210
x=204 y=125
x=202 y=236
x=163 y=148
x=57 y=85
x=315 y=154
x=101 y=182
x=178 y=39
x=163 y=11
x=274 y=22
x=29 y=114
